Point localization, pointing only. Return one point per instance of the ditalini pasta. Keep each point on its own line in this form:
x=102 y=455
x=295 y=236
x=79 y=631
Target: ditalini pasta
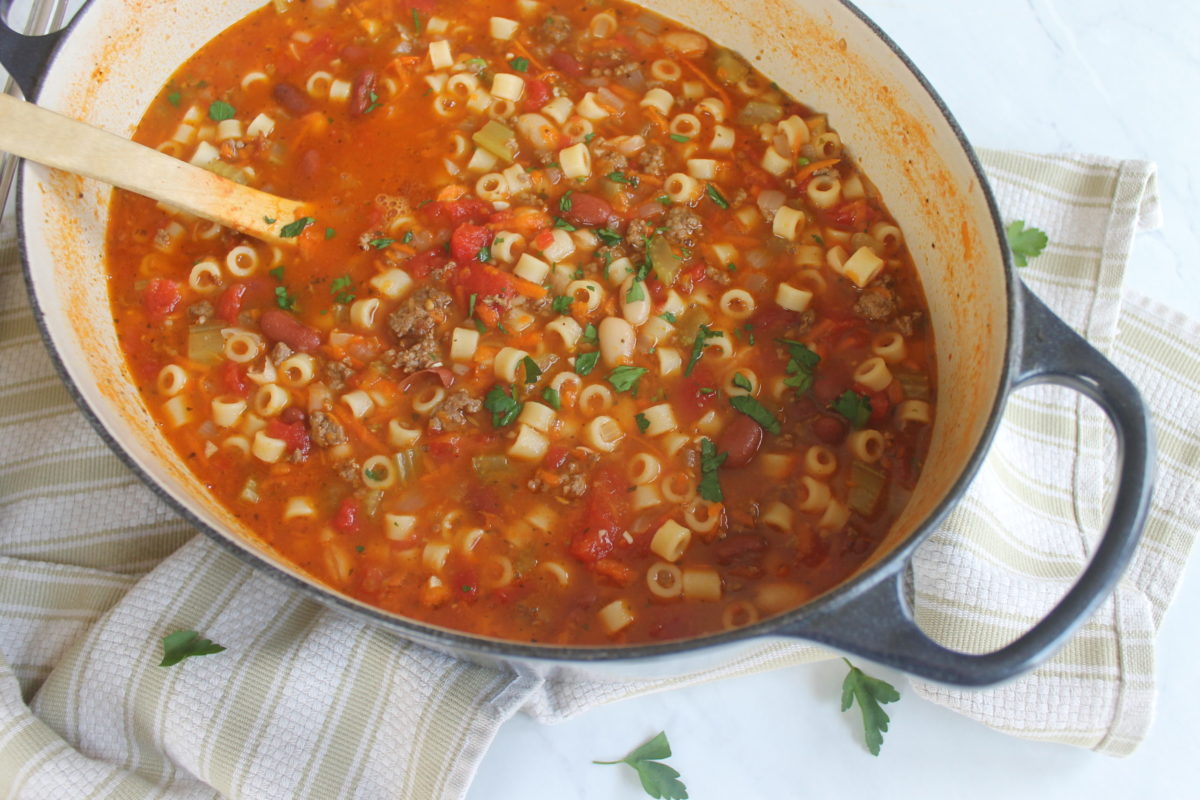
x=593 y=333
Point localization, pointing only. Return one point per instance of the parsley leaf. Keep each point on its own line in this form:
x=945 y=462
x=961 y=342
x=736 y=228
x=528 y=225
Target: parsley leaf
x=184 y=644
x=277 y=273
x=330 y=233
x=503 y=405
x=374 y=98
x=642 y=422
x=668 y=316
x=679 y=137
x=532 y=370
x=715 y=195
x=381 y=243
x=294 y=229
x=520 y=64
x=801 y=365
x=590 y=336
x=338 y=289
x=561 y=304
x=564 y=202
x=742 y=382
x=375 y=474
x=1025 y=243
x=174 y=98
x=616 y=176
x=854 y=407
x=658 y=779
x=625 y=378
x=416 y=15
x=408 y=237
x=664 y=199
x=219 y=111
x=756 y=411
x=552 y=399
x=562 y=224
x=283 y=299
x=586 y=362
x=710 y=462
x=869 y=692
x=484 y=255
x=636 y=292
x=702 y=337
x=608 y=236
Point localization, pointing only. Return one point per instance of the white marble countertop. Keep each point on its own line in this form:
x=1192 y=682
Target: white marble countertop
x=1044 y=75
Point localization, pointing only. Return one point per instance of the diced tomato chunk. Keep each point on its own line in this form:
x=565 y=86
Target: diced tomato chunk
x=658 y=291
x=233 y=378
x=853 y=214
x=696 y=392
x=420 y=265
x=555 y=457
x=880 y=403
x=468 y=241
x=347 y=517
x=294 y=434
x=605 y=516
x=484 y=280
x=537 y=94
x=456 y=212
x=161 y=298
x=443 y=449
x=229 y=304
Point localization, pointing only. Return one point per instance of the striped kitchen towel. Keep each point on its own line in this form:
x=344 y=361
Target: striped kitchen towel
x=304 y=701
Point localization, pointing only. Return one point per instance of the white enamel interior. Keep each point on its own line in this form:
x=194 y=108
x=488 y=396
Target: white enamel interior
x=121 y=51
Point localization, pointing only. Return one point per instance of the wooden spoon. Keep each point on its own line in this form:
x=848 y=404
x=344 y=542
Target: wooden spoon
x=40 y=135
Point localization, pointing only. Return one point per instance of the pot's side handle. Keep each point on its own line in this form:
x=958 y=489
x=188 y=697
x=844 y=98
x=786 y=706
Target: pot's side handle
x=26 y=57
x=878 y=623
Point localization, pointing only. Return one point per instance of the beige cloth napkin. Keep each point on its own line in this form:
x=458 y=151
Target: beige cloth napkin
x=94 y=571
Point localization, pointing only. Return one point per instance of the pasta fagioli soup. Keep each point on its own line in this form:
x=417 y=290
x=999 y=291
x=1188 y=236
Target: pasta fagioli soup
x=593 y=334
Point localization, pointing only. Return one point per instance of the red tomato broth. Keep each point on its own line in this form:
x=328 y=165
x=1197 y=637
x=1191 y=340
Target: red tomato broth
x=523 y=548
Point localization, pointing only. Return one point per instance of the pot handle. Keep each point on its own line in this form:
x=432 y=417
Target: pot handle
x=26 y=57
x=878 y=623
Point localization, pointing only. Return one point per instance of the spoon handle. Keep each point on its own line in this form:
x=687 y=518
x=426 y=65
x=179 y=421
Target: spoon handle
x=40 y=135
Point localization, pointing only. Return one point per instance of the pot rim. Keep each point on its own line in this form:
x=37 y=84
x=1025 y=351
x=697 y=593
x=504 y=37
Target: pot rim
x=461 y=642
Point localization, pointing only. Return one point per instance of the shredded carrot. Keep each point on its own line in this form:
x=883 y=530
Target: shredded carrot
x=360 y=430
x=485 y=354
x=520 y=48
x=528 y=289
x=610 y=568
x=315 y=123
x=529 y=223
x=529 y=338
x=450 y=193
x=711 y=84
x=568 y=394
x=622 y=91
x=549 y=478
x=486 y=314
x=657 y=118
x=812 y=167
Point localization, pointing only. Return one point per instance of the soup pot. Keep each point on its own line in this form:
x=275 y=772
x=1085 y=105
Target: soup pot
x=992 y=335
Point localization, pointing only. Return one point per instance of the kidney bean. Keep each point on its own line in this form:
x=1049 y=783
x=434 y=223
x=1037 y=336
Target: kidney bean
x=741 y=439
x=360 y=93
x=566 y=63
x=293 y=99
x=830 y=430
x=280 y=326
x=589 y=210
x=292 y=414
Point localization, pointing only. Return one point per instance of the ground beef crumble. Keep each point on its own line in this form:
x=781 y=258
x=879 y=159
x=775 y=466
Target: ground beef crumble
x=280 y=352
x=415 y=327
x=572 y=483
x=876 y=305
x=350 y=471
x=200 y=313
x=325 y=430
x=452 y=413
x=653 y=159
x=336 y=374
x=554 y=29
x=682 y=225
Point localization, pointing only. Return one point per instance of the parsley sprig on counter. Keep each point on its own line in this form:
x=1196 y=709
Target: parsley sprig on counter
x=185 y=644
x=1025 y=242
x=869 y=692
x=660 y=780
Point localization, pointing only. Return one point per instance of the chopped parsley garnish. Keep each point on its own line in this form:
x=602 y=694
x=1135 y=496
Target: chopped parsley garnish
x=641 y=421
x=375 y=474
x=590 y=335
x=679 y=137
x=479 y=326
x=564 y=202
x=408 y=237
x=800 y=366
x=374 y=98
x=559 y=222
x=416 y=15
x=380 y=243
x=561 y=304
x=668 y=316
x=742 y=382
x=869 y=692
x=269 y=220
x=625 y=378
x=532 y=370
x=503 y=405
x=1025 y=243
x=636 y=292
x=276 y=273
x=283 y=299
x=706 y=390
x=578 y=274
x=710 y=462
x=715 y=195
x=219 y=111
x=184 y=644
x=552 y=399
x=586 y=362
x=174 y=98
x=664 y=199
x=476 y=65
x=749 y=329
x=702 y=337
x=330 y=233
x=756 y=411
x=294 y=229
x=520 y=64
x=616 y=176
x=732 y=267
x=359 y=548
x=802 y=162
x=484 y=254
x=658 y=779
x=339 y=289
x=854 y=407
x=608 y=236
x=587 y=137
x=818 y=239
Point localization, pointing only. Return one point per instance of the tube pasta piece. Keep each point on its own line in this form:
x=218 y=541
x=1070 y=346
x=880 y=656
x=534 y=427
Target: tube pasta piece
x=507 y=362
x=401 y=436
x=658 y=99
x=299 y=508
x=788 y=223
x=428 y=400
x=702 y=517
x=723 y=139
x=481 y=160
x=890 y=346
x=392 y=284
x=530 y=444
x=532 y=269
x=268 y=449
x=791 y=298
x=866 y=445
x=463 y=344
x=178 y=411
x=774 y=163
x=778 y=516
x=795 y=133
x=775 y=465
x=271 y=399
x=678 y=487
x=595 y=399
x=682 y=188
x=684 y=125
x=739 y=614
x=701 y=583
x=617 y=340
x=362 y=313
x=590 y=108
x=643 y=469
x=615 y=617
x=503 y=28
x=740 y=375
x=496 y=571
x=670 y=541
x=588 y=292
x=873 y=374
x=916 y=411
x=297 y=371
x=862 y=267
x=820 y=461
x=378 y=472
x=835 y=517
x=576 y=161
x=505 y=247
x=537 y=416
x=567 y=330
x=399 y=527
x=659 y=419
x=434 y=555
x=737 y=304
x=665 y=70
x=492 y=187
x=603 y=433
x=824 y=191
x=557 y=571
x=171 y=380
x=775 y=597
x=440 y=56
x=508 y=86
x=358 y=402
x=645 y=496
x=205 y=277
x=664 y=580
x=816 y=495
x=227 y=410
x=561 y=245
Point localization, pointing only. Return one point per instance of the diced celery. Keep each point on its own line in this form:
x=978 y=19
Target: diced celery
x=757 y=112
x=866 y=487
x=688 y=324
x=915 y=385
x=408 y=465
x=498 y=140
x=205 y=343
x=490 y=467
x=250 y=491
x=666 y=263
x=730 y=68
